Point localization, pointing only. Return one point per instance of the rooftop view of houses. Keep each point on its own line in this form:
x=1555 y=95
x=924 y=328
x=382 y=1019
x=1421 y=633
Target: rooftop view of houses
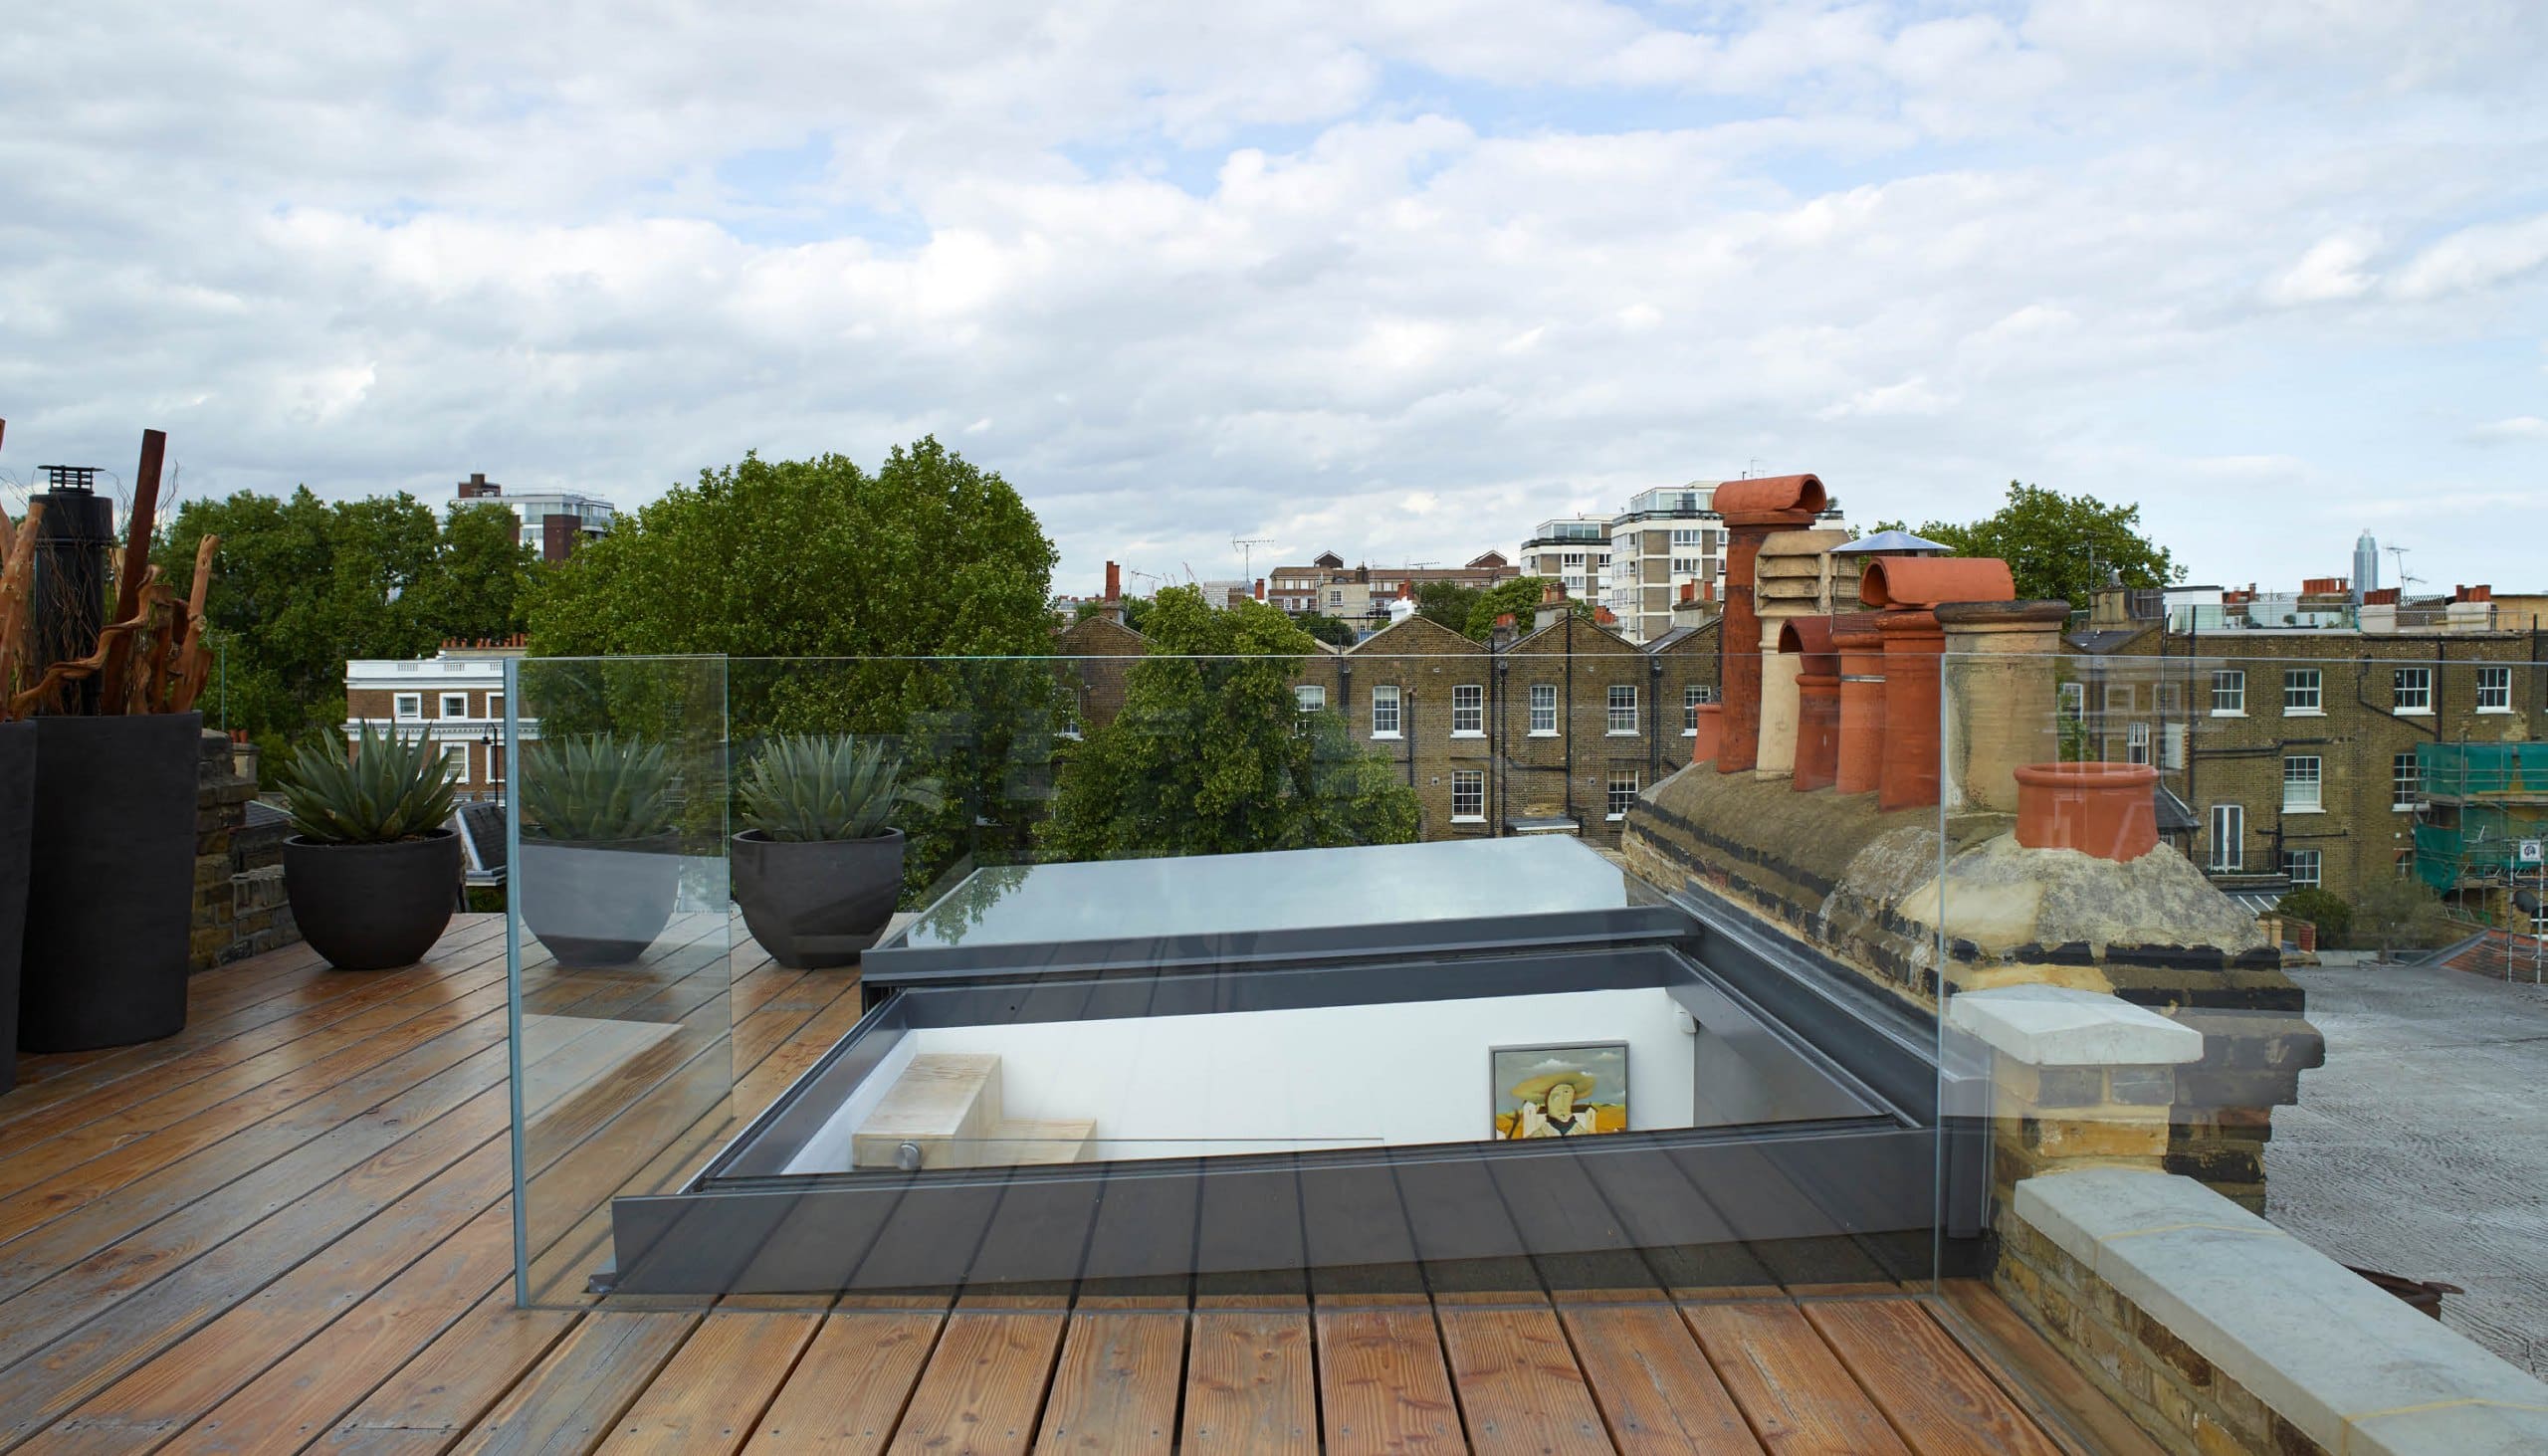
x=1156 y=730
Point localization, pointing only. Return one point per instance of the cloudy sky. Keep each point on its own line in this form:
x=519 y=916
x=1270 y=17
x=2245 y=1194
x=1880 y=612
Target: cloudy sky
x=1397 y=278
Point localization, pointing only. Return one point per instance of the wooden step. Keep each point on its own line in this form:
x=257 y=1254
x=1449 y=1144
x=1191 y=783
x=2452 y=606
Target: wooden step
x=944 y=1101
x=1026 y=1141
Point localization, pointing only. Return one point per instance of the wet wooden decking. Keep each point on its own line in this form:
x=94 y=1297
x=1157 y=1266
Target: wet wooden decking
x=290 y=1228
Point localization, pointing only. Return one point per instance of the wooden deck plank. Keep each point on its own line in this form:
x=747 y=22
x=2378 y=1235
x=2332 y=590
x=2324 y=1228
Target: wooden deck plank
x=1249 y=1384
x=571 y=1399
x=1792 y=1391
x=2057 y=1395
x=104 y=1080
x=847 y=1393
x=1382 y=1384
x=431 y=1399
x=711 y=1396
x=323 y=1372
x=1115 y=1385
x=1519 y=1387
x=983 y=1387
x=1656 y=1392
x=1939 y=1401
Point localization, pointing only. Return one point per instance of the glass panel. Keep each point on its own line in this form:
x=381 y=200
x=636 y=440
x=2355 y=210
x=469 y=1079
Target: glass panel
x=1177 y=972
x=2247 y=960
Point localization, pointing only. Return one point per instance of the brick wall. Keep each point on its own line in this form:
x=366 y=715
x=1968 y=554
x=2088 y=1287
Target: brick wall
x=239 y=906
x=2158 y=1379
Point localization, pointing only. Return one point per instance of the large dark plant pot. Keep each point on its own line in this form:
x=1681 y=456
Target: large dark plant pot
x=372 y=907
x=598 y=904
x=816 y=904
x=17 y=822
x=111 y=880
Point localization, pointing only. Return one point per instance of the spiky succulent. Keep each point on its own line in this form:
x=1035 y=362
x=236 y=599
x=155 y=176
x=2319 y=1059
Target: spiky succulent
x=818 y=786
x=596 y=789
x=390 y=787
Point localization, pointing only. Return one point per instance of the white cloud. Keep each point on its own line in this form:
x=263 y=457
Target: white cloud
x=1401 y=280
x=2332 y=270
x=2518 y=427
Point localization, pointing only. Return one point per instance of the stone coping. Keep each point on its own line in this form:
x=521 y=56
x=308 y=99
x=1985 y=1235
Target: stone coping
x=2347 y=1363
x=2062 y=1026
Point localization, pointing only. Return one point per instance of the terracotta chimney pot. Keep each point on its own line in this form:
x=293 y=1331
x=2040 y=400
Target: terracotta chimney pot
x=1858 y=757
x=1711 y=734
x=1752 y=510
x=1925 y=582
x=1818 y=710
x=2101 y=809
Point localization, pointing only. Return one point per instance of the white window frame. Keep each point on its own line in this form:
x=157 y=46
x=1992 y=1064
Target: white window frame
x=1310 y=698
x=2229 y=839
x=407 y=706
x=1543 y=711
x=1618 y=705
x=2229 y=693
x=2405 y=782
x=1468 y=711
x=1335 y=598
x=1467 y=783
x=496 y=707
x=1693 y=695
x=2411 y=692
x=2071 y=701
x=1387 y=696
x=1622 y=781
x=2304 y=787
x=495 y=764
x=2172 y=745
x=2136 y=741
x=456 y=755
x=2293 y=861
x=2494 y=690
x=443 y=701
x=2303 y=692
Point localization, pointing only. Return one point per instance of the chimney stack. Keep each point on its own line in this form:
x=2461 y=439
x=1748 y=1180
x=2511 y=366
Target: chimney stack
x=1111 y=609
x=1260 y=588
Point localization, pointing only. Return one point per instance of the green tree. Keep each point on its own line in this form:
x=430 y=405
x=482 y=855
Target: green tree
x=303 y=584
x=1211 y=754
x=1328 y=629
x=2059 y=547
x=1446 y=603
x=1520 y=596
x=847 y=601
x=2321 y=908
x=2400 y=914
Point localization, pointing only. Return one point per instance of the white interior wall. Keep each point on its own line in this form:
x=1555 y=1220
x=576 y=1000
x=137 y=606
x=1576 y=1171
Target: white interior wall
x=1399 y=1073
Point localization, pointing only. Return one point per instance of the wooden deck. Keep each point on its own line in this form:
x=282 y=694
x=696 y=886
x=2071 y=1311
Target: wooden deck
x=290 y=1228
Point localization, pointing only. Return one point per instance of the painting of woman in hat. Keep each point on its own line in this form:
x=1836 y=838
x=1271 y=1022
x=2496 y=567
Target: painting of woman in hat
x=1550 y=1091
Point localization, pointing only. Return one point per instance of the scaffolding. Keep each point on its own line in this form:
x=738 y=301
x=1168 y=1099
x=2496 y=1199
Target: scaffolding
x=2482 y=828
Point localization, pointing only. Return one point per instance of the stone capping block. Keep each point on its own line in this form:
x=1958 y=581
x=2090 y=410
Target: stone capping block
x=2349 y=1364
x=2062 y=1026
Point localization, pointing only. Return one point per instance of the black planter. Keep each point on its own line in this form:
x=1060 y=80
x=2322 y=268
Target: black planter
x=17 y=822
x=372 y=907
x=111 y=880
x=598 y=904
x=816 y=904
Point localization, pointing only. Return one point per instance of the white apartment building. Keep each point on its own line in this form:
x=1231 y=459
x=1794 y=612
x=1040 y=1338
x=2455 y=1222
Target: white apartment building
x=1665 y=537
x=1575 y=549
x=554 y=522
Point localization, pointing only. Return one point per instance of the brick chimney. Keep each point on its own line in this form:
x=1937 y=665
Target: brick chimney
x=479 y=488
x=1112 y=606
x=1754 y=510
x=558 y=537
x=1260 y=588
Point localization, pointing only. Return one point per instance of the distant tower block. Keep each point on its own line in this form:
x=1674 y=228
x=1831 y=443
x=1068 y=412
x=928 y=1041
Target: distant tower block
x=2366 y=566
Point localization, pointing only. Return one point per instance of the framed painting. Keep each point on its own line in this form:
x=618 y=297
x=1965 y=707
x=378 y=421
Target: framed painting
x=1565 y=1089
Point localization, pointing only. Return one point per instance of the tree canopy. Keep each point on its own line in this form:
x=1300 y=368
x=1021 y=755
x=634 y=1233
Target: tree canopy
x=303 y=584
x=2058 y=546
x=1333 y=631
x=1211 y=754
x=1520 y=596
x=1135 y=609
x=1447 y=602
x=846 y=600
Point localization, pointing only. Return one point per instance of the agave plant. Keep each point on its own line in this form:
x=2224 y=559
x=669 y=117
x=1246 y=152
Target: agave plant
x=596 y=789
x=388 y=789
x=816 y=786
